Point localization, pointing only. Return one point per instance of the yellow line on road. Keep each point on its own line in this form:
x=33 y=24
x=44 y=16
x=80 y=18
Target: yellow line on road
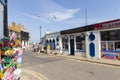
x=35 y=74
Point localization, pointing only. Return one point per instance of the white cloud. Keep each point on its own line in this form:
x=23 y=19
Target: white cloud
x=30 y=16
x=48 y=8
x=63 y=15
x=36 y=17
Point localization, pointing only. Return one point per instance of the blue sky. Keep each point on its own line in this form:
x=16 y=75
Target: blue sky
x=56 y=15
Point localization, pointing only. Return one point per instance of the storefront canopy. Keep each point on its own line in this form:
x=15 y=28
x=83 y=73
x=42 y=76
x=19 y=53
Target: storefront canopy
x=76 y=30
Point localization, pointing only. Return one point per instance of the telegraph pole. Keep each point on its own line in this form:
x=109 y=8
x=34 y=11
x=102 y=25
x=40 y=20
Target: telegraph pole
x=85 y=16
x=40 y=33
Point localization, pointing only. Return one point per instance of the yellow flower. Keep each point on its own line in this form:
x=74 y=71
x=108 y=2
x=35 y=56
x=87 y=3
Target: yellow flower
x=1 y=75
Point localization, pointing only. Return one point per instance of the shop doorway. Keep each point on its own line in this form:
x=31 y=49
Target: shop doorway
x=53 y=44
x=72 y=51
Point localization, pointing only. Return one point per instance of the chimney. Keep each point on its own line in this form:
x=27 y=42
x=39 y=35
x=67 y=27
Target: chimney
x=13 y=24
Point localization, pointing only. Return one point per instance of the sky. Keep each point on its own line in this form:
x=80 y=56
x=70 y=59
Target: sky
x=57 y=15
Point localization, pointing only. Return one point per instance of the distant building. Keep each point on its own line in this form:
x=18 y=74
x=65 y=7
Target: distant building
x=52 y=42
x=21 y=33
x=24 y=37
x=15 y=28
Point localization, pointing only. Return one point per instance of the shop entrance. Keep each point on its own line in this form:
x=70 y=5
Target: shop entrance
x=53 y=45
x=72 y=51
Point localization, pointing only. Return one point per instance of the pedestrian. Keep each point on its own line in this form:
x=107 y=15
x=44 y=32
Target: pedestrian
x=38 y=50
x=33 y=48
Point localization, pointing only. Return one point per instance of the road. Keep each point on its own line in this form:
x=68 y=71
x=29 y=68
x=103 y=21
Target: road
x=58 y=68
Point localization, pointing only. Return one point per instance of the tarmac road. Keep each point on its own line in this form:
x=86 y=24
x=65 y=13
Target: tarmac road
x=58 y=68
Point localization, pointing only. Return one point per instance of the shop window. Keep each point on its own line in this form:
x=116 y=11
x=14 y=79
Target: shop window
x=80 y=42
x=110 y=40
x=111 y=35
x=117 y=46
x=65 y=42
x=103 y=45
x=111 y=45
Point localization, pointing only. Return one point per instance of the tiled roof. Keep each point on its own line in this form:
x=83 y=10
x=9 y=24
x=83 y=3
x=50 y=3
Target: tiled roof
x=16 y=29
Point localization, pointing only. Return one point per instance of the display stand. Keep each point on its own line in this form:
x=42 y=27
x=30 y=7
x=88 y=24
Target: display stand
x=10 y=53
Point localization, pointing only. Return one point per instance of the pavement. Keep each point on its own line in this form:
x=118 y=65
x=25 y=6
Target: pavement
x=92 y=60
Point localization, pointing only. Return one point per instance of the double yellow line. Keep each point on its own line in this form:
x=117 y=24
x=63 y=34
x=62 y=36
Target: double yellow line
x=35 y=74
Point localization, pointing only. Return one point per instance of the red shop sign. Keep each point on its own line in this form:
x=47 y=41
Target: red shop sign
x=107 y=25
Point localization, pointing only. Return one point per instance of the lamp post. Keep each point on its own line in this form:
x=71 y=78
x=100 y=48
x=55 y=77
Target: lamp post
x=45 y=44
x=40 y=33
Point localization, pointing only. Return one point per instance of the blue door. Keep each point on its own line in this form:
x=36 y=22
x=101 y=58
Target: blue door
x=92 y=49
x=53 y=44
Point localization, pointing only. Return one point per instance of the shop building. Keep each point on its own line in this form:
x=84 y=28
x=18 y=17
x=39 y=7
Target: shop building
x=74 y=40
x=53 y=42
x=100 y=40
x=106 y=39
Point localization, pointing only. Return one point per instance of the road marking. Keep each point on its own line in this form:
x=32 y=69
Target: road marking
x=24 y=78
x=37 y=75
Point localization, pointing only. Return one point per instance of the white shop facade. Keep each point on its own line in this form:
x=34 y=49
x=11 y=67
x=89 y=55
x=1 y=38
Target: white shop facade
x=100 y=40
x=107 y=39
x=74 y=40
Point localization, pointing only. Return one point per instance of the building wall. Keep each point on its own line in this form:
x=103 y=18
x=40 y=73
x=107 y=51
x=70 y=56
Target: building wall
x=96 y=50
x=79 y=52
x=14 y=28
x=25 y=39
x=1 y=21
x=21 y=34
x=5 y=23
x=62 y=50
x=52 y=41
x=5 y=19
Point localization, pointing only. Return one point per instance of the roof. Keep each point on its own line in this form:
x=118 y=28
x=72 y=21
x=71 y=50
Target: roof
x=24 y=29
x=97 y=26
x=76 y=30
x=16 y=29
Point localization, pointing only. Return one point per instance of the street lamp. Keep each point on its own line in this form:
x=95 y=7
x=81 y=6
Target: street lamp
x=40 y=33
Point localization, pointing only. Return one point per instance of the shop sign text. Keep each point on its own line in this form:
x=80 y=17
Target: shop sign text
x=107 y=25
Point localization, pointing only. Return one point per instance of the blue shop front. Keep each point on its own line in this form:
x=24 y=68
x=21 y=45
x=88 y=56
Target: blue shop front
x=52 y=42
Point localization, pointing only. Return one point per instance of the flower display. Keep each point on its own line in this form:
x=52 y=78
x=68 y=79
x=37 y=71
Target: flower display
x=11 y=58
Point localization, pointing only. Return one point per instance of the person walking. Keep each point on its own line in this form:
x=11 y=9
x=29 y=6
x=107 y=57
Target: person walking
x=33 y=48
